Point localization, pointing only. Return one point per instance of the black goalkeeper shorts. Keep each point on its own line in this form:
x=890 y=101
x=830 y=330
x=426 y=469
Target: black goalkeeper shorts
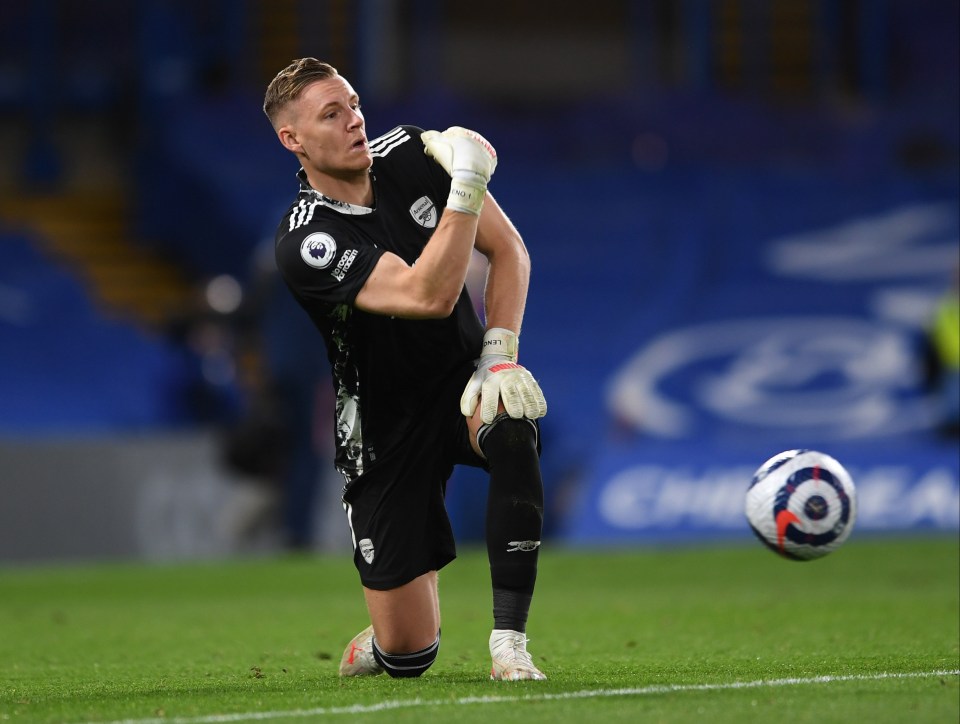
x=396 y=510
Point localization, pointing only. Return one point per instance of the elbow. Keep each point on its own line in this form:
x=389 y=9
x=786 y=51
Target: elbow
x=438 y=306
x=427 y=302
x=523 y=259
x=523 y=256
x=510 y=251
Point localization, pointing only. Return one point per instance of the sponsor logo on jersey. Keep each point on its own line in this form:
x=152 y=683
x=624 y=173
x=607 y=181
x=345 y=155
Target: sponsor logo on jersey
x=366 y=550
x=343 y=266
x=424 y=212
x=318 y=250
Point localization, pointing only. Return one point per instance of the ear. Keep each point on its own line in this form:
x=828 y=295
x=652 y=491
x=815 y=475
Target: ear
x=288 y=137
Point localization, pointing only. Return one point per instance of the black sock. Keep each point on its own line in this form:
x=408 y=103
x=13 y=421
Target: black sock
x=514 y=517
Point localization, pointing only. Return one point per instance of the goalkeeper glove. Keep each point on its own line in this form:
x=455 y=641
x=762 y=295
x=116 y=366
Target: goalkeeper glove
x=499 y=377
x=469 y=159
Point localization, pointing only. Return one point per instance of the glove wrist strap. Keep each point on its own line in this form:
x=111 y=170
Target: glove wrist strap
x=466 y=194
x=501 y=342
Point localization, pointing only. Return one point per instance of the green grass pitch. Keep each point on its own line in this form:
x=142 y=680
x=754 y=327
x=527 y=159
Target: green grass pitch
x=713 y=633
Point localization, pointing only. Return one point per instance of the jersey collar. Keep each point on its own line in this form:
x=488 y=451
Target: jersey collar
x=340 y=206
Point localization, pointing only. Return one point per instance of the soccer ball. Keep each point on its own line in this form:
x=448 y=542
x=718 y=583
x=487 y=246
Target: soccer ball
x=801 y=504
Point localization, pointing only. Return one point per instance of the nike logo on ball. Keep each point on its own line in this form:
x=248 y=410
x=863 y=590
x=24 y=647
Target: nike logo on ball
x=784 y=519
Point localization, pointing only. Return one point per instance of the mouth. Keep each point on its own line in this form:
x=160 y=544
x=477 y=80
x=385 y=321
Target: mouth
x=359 y=145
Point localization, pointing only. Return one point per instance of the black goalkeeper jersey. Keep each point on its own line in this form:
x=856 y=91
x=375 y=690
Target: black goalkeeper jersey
x=385 y=369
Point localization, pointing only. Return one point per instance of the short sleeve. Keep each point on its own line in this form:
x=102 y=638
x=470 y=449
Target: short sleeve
x=328 y=265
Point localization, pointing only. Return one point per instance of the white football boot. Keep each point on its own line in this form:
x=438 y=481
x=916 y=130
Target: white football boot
x=357 y=659
x=511 y=661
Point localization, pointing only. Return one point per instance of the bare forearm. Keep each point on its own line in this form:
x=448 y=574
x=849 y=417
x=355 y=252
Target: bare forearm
x=429 y=288
x=505 y=295
x=508 y=278
x=441 y=270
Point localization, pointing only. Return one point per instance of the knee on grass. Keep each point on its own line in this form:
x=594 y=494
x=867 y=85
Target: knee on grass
x=403 y=666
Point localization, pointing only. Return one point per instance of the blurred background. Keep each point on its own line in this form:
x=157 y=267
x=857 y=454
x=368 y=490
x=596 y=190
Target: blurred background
x=742 y=214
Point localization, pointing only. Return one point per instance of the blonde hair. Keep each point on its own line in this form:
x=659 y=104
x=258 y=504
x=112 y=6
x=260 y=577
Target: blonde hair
x=289 y=83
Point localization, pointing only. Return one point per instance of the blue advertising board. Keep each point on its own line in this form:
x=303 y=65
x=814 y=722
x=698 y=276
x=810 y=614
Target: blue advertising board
x=646 y=495
x=810 y=336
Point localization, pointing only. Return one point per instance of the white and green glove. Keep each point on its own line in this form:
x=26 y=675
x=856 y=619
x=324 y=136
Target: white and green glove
x=469 y=159
x=499 y=377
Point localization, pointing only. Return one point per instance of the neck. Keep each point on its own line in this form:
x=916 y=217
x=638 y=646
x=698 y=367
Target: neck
x=352 y=189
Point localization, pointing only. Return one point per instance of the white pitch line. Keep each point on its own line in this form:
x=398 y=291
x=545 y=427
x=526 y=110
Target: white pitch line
x=509 y=699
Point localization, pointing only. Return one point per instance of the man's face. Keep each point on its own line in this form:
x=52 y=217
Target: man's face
x=327 y=124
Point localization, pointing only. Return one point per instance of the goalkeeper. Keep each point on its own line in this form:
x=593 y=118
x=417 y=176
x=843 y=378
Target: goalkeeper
x=376 y=248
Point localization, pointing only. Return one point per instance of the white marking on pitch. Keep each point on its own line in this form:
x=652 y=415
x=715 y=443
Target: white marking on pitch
x=511 y=699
